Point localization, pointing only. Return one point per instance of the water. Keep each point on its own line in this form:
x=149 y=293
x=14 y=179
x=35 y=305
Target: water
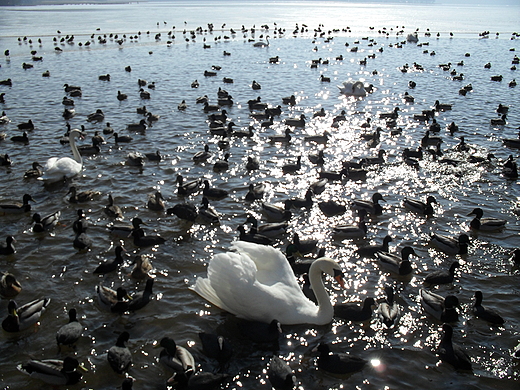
x=48 y=265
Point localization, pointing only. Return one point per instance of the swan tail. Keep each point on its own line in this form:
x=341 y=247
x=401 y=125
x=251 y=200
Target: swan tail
x=205 y=290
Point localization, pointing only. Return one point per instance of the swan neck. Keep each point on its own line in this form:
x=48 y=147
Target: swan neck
x=318 y=287
x=75 y=151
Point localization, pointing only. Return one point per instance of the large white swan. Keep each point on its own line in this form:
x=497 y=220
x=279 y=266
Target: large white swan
x=261 y=43
x=59 y=168
x=353 y=88
x=257 y=283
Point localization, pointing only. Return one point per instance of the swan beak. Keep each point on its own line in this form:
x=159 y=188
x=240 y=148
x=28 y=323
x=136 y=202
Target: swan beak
x=338 y=275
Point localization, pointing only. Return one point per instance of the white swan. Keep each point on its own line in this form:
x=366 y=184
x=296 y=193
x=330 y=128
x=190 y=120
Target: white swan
x=353 y=88
x=262 y=44
x=58 y=168
x=257 y=283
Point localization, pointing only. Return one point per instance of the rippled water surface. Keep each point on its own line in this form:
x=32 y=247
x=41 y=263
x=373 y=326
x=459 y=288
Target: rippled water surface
x=48 y=266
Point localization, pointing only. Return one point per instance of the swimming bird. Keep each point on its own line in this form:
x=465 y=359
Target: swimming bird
x=46 y=223
x=202 y=156
x=185 y=211
x=485 y=224
x=213 y=193
x=388 y=309
x=451 y=245
x=354 y=312
x=142 y=298
x=260 y=332
x=156 y=201
x=280 y=374
x=253 y=236
x=207 y=213
x=82 y=241
x=55 y=372
x=296 y=122
x=115 y=301
x=17 y=208
x=255 y=191
x=69 y=333
x=29 y=125
x=338 y=363
x=353 y=88
x=143 y=241
x=443 y=309
x=441 y=276
x=9 y=248
x=276 y=213
x=343 y=231
x=371 y=250
x=142 y=267
x=420 y=207
x=331 y=208
x=110 y=266
x=489 y=315
x=97 y=116
x=266 y=275
x=286 y=137
x=83 y=196
x=22 y=317
x=399 y=265
x=188 y=187
x=58 y=168
x=216 y=347
x=271 y=230
x=370 y=206
x=292 y=167
x=121 y=96
x=261 y=43
x=119 y=356
x=23 y=139
x=9 y=286
x=112 y=210
x=452 y=353
x=35 y=172
x=175 y=358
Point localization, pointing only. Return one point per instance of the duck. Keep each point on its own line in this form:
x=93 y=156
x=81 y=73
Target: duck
x=35 y=172
x=427 y=140
x=255 y=191
x=82 y=241
x=25 y=316
x=115 y=301
x=348 y=231
x=255 y=85
x=46 y=223
x=296 y=122
x=290 y=307
x=499 y=121
x=187 y=188
x=443 y=309
x=452 y=353
x=286 y=137
x=69 y=333
x=222 y=165
x=184 y=211
x=304 y=246
x=398 y=265
x=112 y=210
x=138 y=127
x=9 y=286
x=253 y=163
x=353 y=312
x=142 y=298
x=135 y=159
x=280 y=374
x=156 y=201
x=23 y=139
x=292 y=167
x=318 y=186
x=142 y=267
x=122 y=138
x=143 y=241
x=485 y=224
x=17 y=208
x=253 y=236
x=58 y=168
x=317 y=158
x=420 y=207
x=489 y=315
x=388 y=309
x=207 y=213
x=291 y=100
x=442 y=106
x=213 y=193
x=83 y=196
x=338 y=363
x=182 y=105
x=110 y=266
x=318 y=139
x=119 y=356
x=271 y=230
x=371 y=250
x=55 y=372
x=441 y=276
x=216 y=347
x=379 y=159
x=260 y=332
x=174 y=357
x=97 y=116
x=451 y=245
x=305 y=202
x=9 y=248
x=353 y=88
x=370 y=206
x=29 y=125
x=276 y=213
x=331 y=208
x=121 y=96
x=202 y=156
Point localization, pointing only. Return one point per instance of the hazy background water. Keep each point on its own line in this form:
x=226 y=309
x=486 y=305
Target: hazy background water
x=49 y=266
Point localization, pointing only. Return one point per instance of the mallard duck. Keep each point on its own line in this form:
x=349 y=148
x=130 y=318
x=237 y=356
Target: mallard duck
x=256 y=191
x=174 y=357
x=399 y=265
x=371 y=250
x=185 y=211
x=83 y=196
x=97 y=116
x=338 y=363
x=253 y=163
x=354 y=312
x=216 y=347
x=9 y=286
x=261 y=332
x=253 y=236
x=486 y=224
x=23 y=317
x=17 y=208
x=271 y=230
x=142 y=267
x=115 y=301
x=277 y=213
x=452 y=353
x=292 y=167
x=489 y=315
x=304 y=246
x=420 y=207
x=296 y=122
x=156 y=201
x=69 y=333
x=112 y=210
x=318 y=186
x=35 y=172
x=110 y=266
x=82 y=241
x=207 y=213
x=331 y=208
x=187 y=188
x=351 y=230
x=305 y=202
x=442 y=276
x=370 y=206
x=9 y=248
x=286 y=137
x=119 y=356
x=142 y=298
x=451 y=245
x=213 y=193
x=53 y=371
x=280 y=374
x=143 y=241
x=389 y=309
x=443 y=309
x=222 y=165
x=46 y=223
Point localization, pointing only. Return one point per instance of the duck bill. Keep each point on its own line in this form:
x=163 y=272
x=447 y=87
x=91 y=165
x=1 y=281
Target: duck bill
x=82 y=367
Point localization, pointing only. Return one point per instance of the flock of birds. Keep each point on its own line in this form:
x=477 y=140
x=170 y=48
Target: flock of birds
x=254 y=270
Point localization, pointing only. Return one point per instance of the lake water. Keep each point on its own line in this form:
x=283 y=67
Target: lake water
x=48 y=266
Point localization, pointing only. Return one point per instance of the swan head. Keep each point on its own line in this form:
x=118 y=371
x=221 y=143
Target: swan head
x=330 y=267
